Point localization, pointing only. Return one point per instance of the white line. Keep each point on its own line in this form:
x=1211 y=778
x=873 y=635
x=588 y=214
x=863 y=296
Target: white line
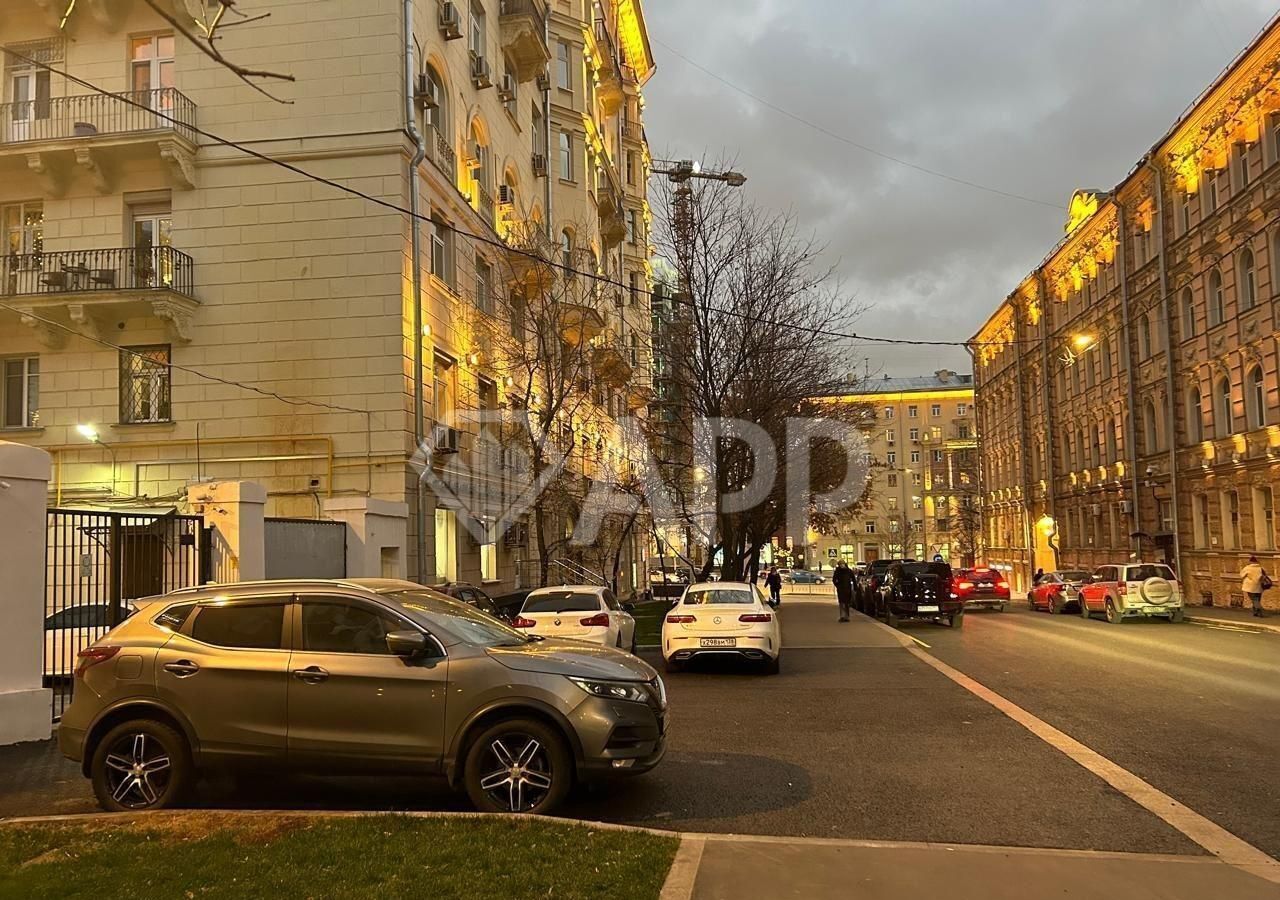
x=920 y=642
x=684 y=869
x=1209 y=835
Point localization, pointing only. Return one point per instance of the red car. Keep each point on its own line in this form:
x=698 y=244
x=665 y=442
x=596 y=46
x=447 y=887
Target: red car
x=1055 y=591
x=980 y=588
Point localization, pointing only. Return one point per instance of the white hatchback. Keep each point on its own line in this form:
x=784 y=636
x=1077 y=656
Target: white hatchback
x=717 y=618
x=584 y=612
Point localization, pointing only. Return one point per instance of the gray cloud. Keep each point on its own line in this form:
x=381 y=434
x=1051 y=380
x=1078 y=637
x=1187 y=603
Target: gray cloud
x=1032 y=97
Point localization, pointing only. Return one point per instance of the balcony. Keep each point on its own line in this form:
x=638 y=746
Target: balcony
x=98 y=133
x=611 y=365
x=609 y=90
x=524 y=29
x=579 y=322
x=441 y=154
x=92 y=285
x=632 y=131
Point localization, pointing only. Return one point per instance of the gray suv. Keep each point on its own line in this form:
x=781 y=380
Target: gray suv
x=358 y=676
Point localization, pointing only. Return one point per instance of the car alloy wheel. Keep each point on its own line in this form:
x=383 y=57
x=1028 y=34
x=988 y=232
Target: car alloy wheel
x=140 y=765
x=1113 y=614
x=520 y=765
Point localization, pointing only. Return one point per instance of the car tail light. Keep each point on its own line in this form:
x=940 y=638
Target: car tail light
x=964 y=585
x=91 y=656
x=1003 y=585
x=522 y=622
x=681 y=620
x=755 y=617
x=597 y=621
x=1122 y=588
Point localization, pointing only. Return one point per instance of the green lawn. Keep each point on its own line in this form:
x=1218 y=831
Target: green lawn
x=247 y=855
x=648 y=618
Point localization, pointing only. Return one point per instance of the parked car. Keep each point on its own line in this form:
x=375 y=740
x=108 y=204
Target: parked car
x=469 y=593
x=584 y=612
x=715 y=618
x=981 y=588
x=1057 y=592
x=1132 y=590
x=353 y=676
x=802 y=576
x=866 y=586
x=70 y=630
x=669 y=582
x=920 y=590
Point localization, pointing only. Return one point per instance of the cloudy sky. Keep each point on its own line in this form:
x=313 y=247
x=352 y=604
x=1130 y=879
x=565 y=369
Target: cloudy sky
x=1030 y=97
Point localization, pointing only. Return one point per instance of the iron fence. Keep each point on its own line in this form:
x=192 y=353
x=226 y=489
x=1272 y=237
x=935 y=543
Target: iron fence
x=86 y=115
x=88 y=271
x=96 y=562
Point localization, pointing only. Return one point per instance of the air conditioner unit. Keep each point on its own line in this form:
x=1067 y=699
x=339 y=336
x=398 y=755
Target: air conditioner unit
x=481 y=77
x=544 y=81
x=540 y=165
x=450 y=22
x=1126 y=506
x=444 y=440
x=506 y=195
x=425 y=92
x=507 y=88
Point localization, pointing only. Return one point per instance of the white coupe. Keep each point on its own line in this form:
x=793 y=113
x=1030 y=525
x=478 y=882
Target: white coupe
x=718 y=618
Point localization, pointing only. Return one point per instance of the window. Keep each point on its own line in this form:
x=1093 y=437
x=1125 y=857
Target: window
x=20 y=393
x=566 y=156
x=1195 y=417
x=446 y=389
x=633 y=288
x=446 y=544
x=442 y=250
x=435 y=112
x=913 y=412
x=1275 y=258
x=484 y=290
x=962 y=432
x=151 y=70
x=341 y=627
x=23 y=241
x=1105 y=352
x=915 y=456
x=1248 y=280
x=892 y=503
x=1144 y=336
x=937 y=456
x=566 y=249
x=1242 y=165
x=888 y=412
x=1230 y=505
x=1209 y=199
x=1150 y=428
x=564 y=66
x=915 y=478
x=869 y=526
x=1255 y=398
x=1223 y=414
x=890 y=438
x=1184 y=213
x=914 y=434
x=1200 y=520
x=144 y=384
x=935 y=410
x=477 y=42
x=252 y=626
x=635 y=230
x=962 y=409
x=892 y=457
x=1188 y=307
x=1217 y=303
x=1264 y=517
x=893 y=479
x=631 y=166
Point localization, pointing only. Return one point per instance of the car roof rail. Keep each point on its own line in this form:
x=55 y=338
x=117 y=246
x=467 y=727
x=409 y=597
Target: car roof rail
x=265 y=582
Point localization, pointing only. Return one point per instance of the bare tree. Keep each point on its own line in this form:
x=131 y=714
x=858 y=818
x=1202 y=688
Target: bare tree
x=756 y=308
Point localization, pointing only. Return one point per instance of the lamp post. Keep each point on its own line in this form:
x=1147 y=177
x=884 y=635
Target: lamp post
x=90 y=434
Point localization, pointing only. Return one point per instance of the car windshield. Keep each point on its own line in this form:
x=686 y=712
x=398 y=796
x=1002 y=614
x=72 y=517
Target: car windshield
x=1142 y=573
x=708 y=596
x=1072 y=577
x=466 y=622
x=561 y=601
x=927 y=570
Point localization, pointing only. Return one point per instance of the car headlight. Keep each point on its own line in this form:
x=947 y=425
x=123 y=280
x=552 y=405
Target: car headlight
x=612 y=690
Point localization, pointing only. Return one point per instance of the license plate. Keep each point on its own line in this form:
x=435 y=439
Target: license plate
x=927 y=609
x=718 y=642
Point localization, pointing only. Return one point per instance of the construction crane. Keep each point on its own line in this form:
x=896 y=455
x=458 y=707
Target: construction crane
x=680 y=171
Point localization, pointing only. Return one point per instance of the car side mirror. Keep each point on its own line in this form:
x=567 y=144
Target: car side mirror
x=407 y=644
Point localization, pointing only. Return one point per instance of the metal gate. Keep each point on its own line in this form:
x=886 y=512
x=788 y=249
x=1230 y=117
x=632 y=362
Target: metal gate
x=98 y=561
x=306 y=548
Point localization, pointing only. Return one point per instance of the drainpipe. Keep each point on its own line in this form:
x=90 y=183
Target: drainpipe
x=546 y=143
x=419 y=154
x=1171 y=431
x=1126 y=366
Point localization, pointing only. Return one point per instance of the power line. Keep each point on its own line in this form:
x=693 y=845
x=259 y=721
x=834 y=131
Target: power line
x=852 y=143
x=492 y=242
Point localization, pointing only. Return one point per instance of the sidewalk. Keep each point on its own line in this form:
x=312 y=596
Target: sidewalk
x=726 y=867
x=1241 y=618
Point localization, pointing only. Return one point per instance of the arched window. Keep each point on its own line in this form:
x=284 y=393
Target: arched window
x=1150 y=428
x=479 y=152
x=1188 y=314
x=1248 y=280
x=1109 y=430
x=1195 y=416
x=1144 y=336
x=436 y=106
x=1275 y=254
x=1255 y=398
x=566 y=250
x=1217 y=303
x=1222 y=413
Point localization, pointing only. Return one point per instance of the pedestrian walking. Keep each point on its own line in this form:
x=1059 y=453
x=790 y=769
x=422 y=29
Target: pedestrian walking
x=842 y=578
x=774 y=582
x=1253 y=581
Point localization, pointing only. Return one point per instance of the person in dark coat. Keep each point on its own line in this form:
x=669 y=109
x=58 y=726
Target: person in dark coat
x=842 y=578
x=774 y=582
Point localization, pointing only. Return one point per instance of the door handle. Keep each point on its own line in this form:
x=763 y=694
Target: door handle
x=311 y=674
x=183 y=668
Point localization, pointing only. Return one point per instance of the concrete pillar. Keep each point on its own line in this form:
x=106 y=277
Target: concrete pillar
x=235 y=511
x=25 y=707
x=377 y=535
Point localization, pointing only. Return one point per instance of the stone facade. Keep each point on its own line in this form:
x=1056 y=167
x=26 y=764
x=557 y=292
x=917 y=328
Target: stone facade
x=132 y=230
x=1127 y=389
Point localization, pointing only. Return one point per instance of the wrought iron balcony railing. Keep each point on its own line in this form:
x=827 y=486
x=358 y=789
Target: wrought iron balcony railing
x=87 y=115
x=89 y=271
x=525 y=8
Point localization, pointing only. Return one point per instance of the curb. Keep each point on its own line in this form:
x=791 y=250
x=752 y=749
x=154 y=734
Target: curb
x=1251 y=627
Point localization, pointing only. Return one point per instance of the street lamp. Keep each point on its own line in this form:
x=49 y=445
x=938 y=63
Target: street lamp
x=90 y=434
x=1082 y=342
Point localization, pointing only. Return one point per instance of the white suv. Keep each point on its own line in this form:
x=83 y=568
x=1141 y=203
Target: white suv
x=1132 y=590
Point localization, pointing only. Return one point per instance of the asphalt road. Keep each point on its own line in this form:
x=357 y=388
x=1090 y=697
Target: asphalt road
x=857 y=738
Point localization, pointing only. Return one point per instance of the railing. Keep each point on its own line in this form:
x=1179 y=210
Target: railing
x=441 y=153
x=632 y=130
x=485 y=203
x=86 y=271
x=604 y=37
x=85 y=115
x=525 y=8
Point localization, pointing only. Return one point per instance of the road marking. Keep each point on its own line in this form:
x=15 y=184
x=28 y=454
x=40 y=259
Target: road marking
x=920 y=642
x=1237 y=629
x=1209 y=835
x=684 y=869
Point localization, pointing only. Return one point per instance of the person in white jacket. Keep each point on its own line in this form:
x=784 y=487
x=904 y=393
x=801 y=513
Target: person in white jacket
x=1251 y=582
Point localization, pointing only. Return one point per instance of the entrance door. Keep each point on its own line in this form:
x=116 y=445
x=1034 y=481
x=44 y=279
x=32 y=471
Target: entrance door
x=22 y=95
x=153 y=264
x=870 y=553
x=151 y=69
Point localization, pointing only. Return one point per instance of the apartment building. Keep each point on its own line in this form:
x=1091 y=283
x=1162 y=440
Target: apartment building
x=273 y=324
x=920 y=484
x=1127 y=388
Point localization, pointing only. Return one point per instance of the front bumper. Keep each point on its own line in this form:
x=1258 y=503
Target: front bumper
x=620 y=737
